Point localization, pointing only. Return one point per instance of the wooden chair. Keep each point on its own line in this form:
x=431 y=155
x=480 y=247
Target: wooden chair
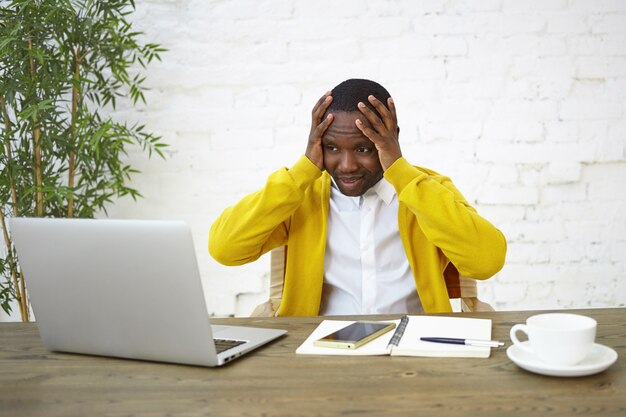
x=459 y=287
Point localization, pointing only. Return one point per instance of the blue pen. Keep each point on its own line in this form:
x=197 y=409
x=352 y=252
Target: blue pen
x=467 y=342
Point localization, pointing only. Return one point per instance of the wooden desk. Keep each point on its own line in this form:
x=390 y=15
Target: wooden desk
x=274 y=381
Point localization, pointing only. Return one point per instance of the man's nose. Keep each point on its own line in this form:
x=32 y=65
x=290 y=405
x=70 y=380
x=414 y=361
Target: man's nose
x=348 y=162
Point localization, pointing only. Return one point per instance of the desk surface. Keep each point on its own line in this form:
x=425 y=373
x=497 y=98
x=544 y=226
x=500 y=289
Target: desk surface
x=274 y=381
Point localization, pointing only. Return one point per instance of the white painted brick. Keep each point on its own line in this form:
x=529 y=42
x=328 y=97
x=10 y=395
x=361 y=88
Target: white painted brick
x=346 y=9
x=251 y=98
x=466 y=130
x=563 y=172
x=535 y=154
x=462 y=110
x=243 y=139
x=500 y=214
x=544 y=231
x=526 y=5
x=529 y=253
x=562 y=131
x=503 y=195
x=503 y=174
x=552 y=46
x=618 y=252
x=479 y=88
x=530 y=174
x=611 y=189
x=553 y=67
x=610 y=149
x=617 y=131
x=608 y=23
x=597 y=6
x=568 y=23
x=523 y=109
x=416 y=46
x=517 y=23
x=423 y=7
x=460 y=69
x=614 y=44
x=474 y=6
x=588 y=88
x=433 y=24
x=591 y=229
x=511 y=293
x=578 y=45
x=601 y=66
x=568 y=251
x=448 y=46
x=598 y=252
x=269 y=53
x=241 y=9
x=277 y=9
x=586 y=110
x=400 y=69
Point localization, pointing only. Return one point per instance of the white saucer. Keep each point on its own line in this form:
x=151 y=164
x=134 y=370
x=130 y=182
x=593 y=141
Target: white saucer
x=600 y=358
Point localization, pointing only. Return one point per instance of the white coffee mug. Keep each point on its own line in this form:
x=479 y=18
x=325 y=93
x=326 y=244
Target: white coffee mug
x=559 y=339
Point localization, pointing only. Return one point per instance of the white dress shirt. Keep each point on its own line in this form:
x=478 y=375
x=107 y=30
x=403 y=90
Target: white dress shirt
x=366 y=270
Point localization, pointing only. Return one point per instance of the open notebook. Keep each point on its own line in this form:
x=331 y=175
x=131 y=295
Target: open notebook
x=410 y=345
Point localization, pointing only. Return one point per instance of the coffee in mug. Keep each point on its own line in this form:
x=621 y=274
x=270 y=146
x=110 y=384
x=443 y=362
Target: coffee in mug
x=560 y=339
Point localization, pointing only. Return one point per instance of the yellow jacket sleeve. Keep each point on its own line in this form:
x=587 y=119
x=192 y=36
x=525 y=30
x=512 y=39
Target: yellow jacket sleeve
x=260 y=221
x=475 y=247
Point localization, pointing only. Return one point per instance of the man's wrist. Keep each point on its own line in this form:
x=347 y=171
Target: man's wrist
x=401 y=173
x=304 y=171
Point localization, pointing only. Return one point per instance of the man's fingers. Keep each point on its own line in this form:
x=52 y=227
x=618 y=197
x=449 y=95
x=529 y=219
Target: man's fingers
x=372 y=117
x=388 y=116
x=321 y=128
x=321 y=106
x=367 y=131
x=392 y=110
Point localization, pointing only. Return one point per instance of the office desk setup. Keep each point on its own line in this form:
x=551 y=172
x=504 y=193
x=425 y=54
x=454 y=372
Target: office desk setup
x=275 y=381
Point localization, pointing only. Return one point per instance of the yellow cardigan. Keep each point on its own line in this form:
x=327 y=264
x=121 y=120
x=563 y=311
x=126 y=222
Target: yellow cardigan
x=436 y=224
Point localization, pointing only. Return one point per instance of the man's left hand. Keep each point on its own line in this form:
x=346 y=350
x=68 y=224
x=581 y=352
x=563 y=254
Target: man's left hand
x=384 y=131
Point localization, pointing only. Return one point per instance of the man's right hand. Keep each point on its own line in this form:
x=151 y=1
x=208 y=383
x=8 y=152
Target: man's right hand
x=314 y=149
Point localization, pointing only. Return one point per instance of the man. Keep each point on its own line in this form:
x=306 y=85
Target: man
x=366 y=232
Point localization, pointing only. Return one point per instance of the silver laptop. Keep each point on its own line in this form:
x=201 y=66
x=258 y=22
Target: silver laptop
x=124 y=288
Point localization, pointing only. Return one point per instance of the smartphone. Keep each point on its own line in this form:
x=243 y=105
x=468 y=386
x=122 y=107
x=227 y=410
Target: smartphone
x=355 y=335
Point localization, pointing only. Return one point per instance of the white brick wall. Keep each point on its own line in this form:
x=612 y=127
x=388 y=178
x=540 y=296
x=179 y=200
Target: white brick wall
x=522 y=103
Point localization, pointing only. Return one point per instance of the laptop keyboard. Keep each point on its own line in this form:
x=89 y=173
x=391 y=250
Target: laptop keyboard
x=222 y=345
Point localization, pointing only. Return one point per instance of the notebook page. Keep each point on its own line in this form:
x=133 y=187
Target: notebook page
x=439 y=326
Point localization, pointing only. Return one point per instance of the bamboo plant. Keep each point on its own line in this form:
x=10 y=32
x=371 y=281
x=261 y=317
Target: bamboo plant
x=64 y=64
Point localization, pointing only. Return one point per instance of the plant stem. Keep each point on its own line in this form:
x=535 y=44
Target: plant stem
x=18 y=283
x=72 y=156
x=18 y=278
x=23 y=301
x=7 y=125
x=36 y=140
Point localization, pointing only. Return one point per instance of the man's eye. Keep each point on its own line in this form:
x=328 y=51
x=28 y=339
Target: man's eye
x=331 y=148
x=363 y=149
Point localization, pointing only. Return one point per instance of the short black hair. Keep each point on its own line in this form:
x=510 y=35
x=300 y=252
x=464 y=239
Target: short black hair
x=348 y=94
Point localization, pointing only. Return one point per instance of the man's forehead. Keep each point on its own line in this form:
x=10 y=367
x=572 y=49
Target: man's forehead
x=345 y=120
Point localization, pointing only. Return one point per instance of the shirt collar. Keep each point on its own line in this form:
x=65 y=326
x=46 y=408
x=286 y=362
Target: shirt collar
x=383 y=189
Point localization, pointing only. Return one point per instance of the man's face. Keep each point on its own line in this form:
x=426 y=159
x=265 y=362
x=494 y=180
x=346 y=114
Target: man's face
x=349 y=156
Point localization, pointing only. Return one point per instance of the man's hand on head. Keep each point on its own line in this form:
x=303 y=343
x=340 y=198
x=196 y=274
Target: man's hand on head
x=314 y=149
x=384 y=131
